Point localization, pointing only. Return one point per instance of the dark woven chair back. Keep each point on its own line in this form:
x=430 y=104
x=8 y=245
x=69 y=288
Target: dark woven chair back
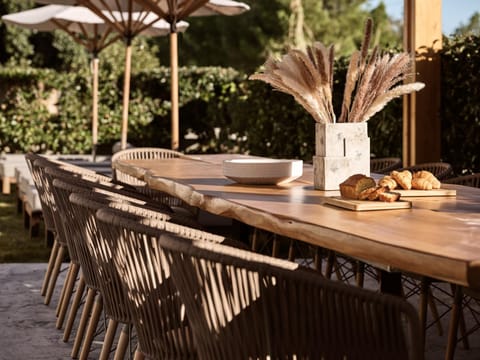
x=441 y=170
x=472 y=180
x=385 y=165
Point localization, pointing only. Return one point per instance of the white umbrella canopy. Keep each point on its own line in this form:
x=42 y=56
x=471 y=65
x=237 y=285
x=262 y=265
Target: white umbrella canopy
x=84 y=26
x=129 y=19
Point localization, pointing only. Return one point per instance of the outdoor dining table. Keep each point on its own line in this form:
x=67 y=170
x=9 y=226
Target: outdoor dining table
x=438 y=237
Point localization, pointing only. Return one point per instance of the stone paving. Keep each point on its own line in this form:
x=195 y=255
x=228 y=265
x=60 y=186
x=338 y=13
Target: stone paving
x=28 y=332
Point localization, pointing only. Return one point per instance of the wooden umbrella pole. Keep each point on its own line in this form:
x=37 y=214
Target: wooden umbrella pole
x=126 y=92
x=174 y=88
x=95 y=62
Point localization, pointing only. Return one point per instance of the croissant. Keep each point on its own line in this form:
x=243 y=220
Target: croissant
x=403 y=178
x=428 y=176
x=388 y=182
x=421 y=184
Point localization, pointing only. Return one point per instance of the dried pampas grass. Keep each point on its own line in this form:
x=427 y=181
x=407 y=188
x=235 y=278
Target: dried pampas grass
x=372 y=80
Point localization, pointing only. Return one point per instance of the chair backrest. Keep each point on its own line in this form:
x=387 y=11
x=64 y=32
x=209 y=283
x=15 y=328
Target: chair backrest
x=140 y=153
x=385 y=165
x=158 y=314
x=244 y=305
x=472 y=180
x=37 y=164
x=441 y=170
x=147 y=153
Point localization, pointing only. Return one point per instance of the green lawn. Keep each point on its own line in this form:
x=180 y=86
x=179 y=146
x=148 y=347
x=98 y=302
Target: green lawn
x=15 y=242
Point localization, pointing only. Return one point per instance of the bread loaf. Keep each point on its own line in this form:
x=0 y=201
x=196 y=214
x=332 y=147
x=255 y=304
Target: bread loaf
x=389 y=196
x=355 y=184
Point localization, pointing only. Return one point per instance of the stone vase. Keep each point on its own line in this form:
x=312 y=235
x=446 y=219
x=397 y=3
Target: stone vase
x=341 y=150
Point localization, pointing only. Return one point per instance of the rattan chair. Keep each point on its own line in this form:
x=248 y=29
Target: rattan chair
x=43 y=186
x=147 y=153
x=243 y=305
x=385 y=165
x=463 y=298
x=47 y=205
x=159 y=320
x=472 y=180
x=64 y=184
x=441 y=170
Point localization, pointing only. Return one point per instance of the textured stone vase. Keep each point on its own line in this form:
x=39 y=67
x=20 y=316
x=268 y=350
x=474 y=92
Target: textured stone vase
x=341 y=150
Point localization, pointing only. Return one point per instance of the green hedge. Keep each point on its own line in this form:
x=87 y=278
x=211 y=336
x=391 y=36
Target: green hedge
x=461 y=103
x=227 y=112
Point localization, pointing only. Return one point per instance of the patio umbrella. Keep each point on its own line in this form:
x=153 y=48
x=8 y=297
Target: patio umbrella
x=129 y=20
x=84 y=26
x=172 y=11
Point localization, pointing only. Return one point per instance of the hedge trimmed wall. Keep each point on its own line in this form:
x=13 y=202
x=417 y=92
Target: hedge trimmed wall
x=226 y=111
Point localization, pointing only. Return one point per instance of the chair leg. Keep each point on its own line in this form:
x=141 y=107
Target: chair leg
x=123 y=342
x=424 y=286
x=92 y=327
x=360 y=275
x=63 y=290
x=434 y=310
x=108 y=340
x=454 y=317
x=138 y=355
x=87 y=308
x=50 y=265
x=72 y=278
x=74 y=309
x=54 y=276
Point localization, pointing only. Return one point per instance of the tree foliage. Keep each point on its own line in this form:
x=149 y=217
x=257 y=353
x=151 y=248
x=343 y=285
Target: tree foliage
x=472 y=27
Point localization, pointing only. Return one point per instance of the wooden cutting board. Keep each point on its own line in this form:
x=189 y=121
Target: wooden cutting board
x=433 y=192
x=366 y=205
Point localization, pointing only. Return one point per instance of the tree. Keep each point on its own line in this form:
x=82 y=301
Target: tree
x=470 y=28
x=245 y=41
x=15 y=46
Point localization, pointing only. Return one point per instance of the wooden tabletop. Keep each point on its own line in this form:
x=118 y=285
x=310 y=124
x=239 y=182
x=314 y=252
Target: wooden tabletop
x=438 y=237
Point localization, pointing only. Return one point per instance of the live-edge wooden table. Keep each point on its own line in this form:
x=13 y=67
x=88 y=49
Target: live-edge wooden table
x=438 y=237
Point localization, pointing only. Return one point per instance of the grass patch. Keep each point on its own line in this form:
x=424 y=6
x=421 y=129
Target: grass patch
x=15 y=243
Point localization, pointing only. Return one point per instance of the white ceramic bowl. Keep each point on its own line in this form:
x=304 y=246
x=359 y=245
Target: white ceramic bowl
x=262 y=171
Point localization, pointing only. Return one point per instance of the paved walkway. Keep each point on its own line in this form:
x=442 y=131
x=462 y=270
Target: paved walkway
x=27 y=326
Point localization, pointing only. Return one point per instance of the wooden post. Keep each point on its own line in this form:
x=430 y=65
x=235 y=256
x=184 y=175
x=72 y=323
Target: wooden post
x=174 y=89
x=421 y=110
x=126 y=92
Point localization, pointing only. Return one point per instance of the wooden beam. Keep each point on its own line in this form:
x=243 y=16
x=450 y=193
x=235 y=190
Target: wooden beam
x=421 y=111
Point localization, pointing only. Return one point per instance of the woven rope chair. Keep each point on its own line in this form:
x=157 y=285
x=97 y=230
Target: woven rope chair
x=472 y=180
x=441 y=170
x=64 y=184
x=43 y=186
x=147 y=153
x=159 y=321
x=463 y=299
x=281 y=311
x=244 y=305
x=48 y=206
x=385 y=165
